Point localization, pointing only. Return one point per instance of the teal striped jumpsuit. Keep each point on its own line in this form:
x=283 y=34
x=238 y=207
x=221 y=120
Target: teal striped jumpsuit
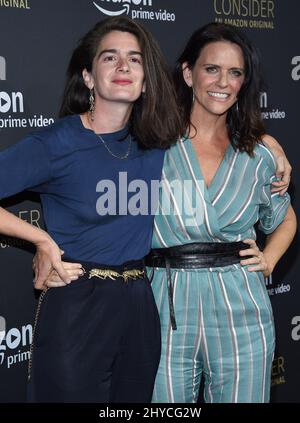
x=225 y=328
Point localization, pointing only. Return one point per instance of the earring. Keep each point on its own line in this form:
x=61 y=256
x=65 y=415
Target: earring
x=91 y=104
x=237 y=107
x=193 y=99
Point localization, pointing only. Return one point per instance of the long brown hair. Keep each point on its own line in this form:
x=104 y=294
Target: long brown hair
x=244 y=121
x=155 y=120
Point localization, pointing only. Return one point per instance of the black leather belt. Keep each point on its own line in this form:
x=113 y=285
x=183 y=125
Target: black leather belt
x=193 y=256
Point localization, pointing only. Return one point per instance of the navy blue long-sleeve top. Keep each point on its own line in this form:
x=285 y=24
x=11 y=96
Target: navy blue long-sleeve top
x=76 y=176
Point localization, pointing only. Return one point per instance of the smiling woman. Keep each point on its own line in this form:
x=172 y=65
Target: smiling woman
x=217 y=76
x=117 y=77
x=98 y=339
x=216 y=317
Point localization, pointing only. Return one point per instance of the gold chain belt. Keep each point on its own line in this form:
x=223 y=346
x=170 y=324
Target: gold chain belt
x=112 y=274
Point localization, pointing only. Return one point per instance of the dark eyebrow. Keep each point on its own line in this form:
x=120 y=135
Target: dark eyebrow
x=113 y=50
x=217 y=66
x=240 y=69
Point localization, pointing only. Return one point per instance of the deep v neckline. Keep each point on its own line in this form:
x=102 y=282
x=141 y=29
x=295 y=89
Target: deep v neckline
x=197 y=165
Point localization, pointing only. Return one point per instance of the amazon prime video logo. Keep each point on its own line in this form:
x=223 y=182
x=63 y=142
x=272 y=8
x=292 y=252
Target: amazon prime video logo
x=123 y=6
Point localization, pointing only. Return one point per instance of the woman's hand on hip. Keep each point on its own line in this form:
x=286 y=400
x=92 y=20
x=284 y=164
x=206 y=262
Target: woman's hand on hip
x=46 y=259
x=257 y=262
x=74 y=271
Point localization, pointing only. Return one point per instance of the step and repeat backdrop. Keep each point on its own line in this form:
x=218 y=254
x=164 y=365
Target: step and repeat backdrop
x=36 y=40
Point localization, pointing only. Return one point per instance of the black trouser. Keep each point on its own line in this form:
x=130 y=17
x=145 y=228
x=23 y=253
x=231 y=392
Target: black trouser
x=96 y=340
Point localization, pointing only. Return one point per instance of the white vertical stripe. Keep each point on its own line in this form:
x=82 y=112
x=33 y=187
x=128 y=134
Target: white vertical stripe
x=217 y=338
x=181 y=145
x=185 y=323
x=227 y=179
x=185 y=194
x=251 y=195
x=263 y=336
x=177 y=216
x=234 y=340
x=196 y=352
x=250 y=361
x=237 y=189
x=158 y=299
x=169 y=351
x=159 y=235
x=204 y=338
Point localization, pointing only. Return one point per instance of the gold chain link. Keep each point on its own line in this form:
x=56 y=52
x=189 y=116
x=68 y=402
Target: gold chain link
x=42 y=296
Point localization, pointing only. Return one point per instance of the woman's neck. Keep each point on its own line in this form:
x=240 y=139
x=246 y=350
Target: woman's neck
x=209 y=127
x=108 y=118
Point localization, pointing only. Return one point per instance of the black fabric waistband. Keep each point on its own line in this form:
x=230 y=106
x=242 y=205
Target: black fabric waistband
x=193 y=256
x=132 y=264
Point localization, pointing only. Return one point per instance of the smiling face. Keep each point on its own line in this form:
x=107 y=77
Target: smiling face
x=216 y=77
x=117 y=74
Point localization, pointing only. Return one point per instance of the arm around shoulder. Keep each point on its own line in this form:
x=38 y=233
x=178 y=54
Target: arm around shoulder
x=283 y=166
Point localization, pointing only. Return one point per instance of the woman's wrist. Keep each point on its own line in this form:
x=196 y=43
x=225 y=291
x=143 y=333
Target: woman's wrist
x=42 y=239
x=271 y=263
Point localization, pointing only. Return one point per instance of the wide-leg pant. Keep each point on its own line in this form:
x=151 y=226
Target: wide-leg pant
x=225 y=335
x=96 y=341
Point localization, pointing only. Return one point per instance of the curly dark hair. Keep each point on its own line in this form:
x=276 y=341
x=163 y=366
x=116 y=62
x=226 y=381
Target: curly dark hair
x=155 y=120
x=245 y=125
